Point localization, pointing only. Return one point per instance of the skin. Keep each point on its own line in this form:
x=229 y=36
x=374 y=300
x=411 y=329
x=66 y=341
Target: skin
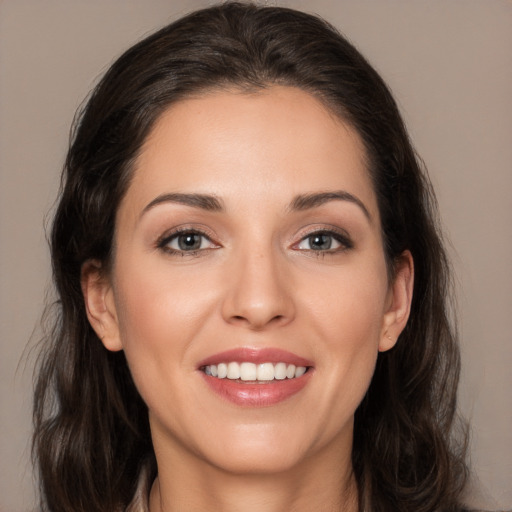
x=256 y=281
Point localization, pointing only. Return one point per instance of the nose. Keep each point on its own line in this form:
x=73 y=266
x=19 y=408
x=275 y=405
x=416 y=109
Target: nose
x=258 y=291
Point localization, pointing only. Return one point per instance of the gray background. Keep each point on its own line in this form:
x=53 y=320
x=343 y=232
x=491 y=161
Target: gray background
x=449 y=63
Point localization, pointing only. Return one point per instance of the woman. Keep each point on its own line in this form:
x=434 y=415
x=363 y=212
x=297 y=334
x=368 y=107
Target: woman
x=253 y=289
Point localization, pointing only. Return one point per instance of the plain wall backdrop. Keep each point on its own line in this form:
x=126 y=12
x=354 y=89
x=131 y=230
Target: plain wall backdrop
x=449 y=64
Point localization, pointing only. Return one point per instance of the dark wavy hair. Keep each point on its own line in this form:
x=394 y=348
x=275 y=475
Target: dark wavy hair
x=91 y=426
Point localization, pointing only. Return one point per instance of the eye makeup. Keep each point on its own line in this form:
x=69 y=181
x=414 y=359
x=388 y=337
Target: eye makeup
x=186 y=241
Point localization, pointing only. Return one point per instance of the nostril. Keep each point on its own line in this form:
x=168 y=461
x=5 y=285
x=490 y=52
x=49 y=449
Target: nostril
x=257 y=323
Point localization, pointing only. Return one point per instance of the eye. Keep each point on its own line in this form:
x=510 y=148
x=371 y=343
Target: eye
x=186 y=241
x=325 y=241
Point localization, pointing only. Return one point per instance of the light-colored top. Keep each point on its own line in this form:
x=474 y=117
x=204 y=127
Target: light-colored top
x=140 y=502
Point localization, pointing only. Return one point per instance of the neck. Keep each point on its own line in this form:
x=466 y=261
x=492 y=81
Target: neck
x=329 y=487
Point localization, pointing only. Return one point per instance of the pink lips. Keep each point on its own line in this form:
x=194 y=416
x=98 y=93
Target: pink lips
x=256 y=394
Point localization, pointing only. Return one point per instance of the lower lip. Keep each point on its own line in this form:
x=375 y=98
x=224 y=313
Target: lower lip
x=257 y=395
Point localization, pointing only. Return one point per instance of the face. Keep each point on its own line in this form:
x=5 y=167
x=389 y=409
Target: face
x=249 y=244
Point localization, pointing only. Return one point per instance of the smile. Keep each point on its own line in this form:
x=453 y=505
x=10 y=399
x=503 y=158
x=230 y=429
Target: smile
x=256 y=377
x=251 y=372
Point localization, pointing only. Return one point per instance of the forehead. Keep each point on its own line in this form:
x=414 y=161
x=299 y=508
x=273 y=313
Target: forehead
x=278 y=142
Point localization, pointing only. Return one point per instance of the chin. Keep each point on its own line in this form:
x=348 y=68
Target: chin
x=259 y=449
x=256 y=461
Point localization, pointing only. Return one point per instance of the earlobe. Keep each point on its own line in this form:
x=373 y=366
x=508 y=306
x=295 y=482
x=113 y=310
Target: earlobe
x=100 y=305
x=399 y=302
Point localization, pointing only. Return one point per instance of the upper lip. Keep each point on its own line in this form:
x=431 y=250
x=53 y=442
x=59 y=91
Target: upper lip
x=256 y=356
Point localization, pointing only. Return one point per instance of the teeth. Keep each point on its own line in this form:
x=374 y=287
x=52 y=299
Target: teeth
x=254 y=372
x=280 y=370
x=233 y=371
x=222 y=370
x=290 y=371
x=266 y=371
x=301 y=370
x=247 y=371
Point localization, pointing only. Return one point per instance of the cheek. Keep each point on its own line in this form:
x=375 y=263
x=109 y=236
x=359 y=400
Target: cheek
x=157 y=305
x=349 y=305
x=159 y=315
x=347 y=319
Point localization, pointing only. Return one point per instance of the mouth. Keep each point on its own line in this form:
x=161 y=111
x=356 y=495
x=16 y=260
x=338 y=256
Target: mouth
x=256 y=377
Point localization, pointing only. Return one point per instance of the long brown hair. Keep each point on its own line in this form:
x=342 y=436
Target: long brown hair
x=91 y=426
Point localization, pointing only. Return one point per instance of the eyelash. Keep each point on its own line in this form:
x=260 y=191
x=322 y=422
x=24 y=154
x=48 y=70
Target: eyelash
x=164 y=241
x=340 y=237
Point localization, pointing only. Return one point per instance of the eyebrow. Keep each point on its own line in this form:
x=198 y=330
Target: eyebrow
x=203 y=201
x=308 y=201
x=300 y=202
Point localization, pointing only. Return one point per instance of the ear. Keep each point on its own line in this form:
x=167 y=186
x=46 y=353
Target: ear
x=100 y=304
x=399 y=302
